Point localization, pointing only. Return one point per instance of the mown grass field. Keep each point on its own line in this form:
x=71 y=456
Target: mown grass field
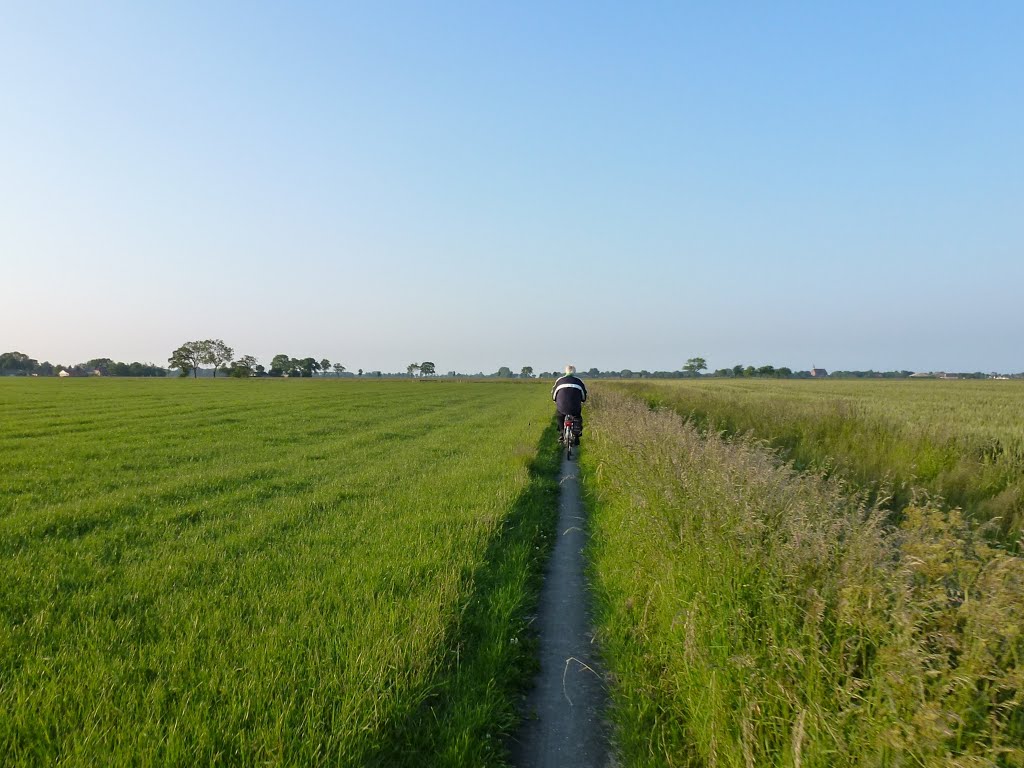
x=755 y=615
x=961 y=440
x=267 y=572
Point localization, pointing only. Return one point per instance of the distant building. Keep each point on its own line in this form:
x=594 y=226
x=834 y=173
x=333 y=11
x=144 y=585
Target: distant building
x=63 y=374
x=935 y=375
x=818 y=373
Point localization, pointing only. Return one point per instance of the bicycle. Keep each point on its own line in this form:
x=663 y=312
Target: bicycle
x=569 y=434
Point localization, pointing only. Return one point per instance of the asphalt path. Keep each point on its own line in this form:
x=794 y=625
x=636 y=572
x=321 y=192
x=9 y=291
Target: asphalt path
x=564 y=723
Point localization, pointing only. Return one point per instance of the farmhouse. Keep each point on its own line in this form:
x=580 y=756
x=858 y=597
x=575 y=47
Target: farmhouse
x=63 y=374
x=818 y=373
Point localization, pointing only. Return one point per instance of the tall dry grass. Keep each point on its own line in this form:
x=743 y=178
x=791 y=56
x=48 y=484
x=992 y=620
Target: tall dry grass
x=963 y=440
x=753 y=615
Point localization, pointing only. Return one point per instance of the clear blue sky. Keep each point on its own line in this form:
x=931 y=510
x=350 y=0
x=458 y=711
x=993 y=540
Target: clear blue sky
x=382 y=183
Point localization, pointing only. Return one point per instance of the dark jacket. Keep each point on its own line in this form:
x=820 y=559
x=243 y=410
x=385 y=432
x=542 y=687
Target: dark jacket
x=569 y=394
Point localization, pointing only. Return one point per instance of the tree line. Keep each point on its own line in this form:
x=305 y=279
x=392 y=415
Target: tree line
x=190 y=357
x=771 y=372
x=20 y=364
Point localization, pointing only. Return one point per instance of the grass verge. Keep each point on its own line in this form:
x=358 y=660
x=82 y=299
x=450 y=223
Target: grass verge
x=466 y=713
x=752 y=615
x=962 y=441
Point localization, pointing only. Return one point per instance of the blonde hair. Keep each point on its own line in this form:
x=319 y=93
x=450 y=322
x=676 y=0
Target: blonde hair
x=570 y=370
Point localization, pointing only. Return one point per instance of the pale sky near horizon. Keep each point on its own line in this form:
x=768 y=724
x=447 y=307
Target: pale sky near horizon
x=379 y=183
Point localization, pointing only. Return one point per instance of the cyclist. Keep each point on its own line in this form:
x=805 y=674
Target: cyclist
x=569 y=394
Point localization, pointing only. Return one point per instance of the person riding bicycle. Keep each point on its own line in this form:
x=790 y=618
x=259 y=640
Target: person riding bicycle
x=569 y=394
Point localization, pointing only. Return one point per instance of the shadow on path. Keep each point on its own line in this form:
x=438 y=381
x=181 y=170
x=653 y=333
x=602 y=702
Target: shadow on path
x=461 y=716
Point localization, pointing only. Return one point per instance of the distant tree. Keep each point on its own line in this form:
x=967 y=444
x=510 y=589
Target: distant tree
x=104 y=365
x=593 y=373
x=360 y=370
x=46 y=368
x=325 y=366
x=749 y=371
x=784 y=372
x=340 y=369
x=261 y=371
x=626 y=373
x=527 y=372
x=189 y=356
x=766 y=370
x=737 y=370
x=307 y=366
x=243 y=367
x=17 y=363
x=427 y=368
x=280 y=365
x=218 y=354
x=505 y=372
x=411 y=368
x=695 y=365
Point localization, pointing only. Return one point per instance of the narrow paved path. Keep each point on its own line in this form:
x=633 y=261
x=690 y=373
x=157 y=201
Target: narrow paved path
x=565 y=725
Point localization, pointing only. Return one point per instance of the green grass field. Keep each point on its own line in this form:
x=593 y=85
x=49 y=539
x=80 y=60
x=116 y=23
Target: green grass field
x=316 y=572
x=753 y=615
x=962 y=440
x=262 y=572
